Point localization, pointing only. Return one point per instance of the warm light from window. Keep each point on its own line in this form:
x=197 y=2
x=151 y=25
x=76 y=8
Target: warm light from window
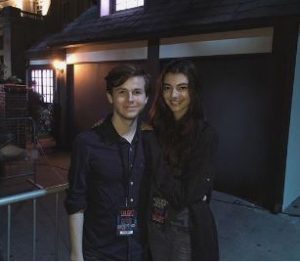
x=19 y=4
x=59 y=65
x=32 y=6
x=127 y=4
x=44 y=4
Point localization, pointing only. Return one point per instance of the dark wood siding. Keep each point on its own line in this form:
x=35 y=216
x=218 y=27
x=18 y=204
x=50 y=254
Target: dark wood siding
x=90 y=102
x=238 y=102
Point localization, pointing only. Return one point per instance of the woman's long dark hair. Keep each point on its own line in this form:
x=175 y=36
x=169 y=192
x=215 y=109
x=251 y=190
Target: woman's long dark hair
x=176 y=136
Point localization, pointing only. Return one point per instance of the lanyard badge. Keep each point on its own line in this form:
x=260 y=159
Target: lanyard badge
x=159 y=210
x=126 y=222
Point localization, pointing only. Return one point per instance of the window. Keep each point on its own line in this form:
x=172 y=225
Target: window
x=39 y=8
x=42 y=83
x=127 y=4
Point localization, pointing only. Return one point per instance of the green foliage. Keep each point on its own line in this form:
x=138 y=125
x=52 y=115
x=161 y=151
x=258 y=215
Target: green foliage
x=11 y=79
x=2 y=72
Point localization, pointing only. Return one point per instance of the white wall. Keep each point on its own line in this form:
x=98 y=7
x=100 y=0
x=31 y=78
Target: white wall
x=108 y=52
x=292 y=176
x=251 y=41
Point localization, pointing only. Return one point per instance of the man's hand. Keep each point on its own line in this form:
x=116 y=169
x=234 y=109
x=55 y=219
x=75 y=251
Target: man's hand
x=76 y=256
x=76 y=229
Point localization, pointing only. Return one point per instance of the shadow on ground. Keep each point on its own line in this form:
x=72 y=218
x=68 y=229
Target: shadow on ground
x=246 y=232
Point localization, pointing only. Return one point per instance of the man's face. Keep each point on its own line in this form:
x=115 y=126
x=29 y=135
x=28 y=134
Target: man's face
x=129 y=99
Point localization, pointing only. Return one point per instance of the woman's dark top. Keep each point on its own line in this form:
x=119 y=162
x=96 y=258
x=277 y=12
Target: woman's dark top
x=191 y=190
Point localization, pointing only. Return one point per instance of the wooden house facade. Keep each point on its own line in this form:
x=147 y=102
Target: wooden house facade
x=248 y=58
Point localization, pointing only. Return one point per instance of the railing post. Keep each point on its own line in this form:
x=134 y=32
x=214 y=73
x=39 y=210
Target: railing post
x=32 y=195
x=34 y=230
x=56 y=226
x=8 y=231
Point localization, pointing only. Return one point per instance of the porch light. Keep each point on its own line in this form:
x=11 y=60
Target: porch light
x=59 y=65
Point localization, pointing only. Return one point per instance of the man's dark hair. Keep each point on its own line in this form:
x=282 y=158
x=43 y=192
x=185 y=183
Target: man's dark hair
x=120 y=74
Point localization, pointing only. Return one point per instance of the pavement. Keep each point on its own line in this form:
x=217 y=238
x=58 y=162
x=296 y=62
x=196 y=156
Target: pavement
x=246 y=231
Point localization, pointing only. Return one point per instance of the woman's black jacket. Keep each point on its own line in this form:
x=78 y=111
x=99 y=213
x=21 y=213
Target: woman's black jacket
x=192 y=190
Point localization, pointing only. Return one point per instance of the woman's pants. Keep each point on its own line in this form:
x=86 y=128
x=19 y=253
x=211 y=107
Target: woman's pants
x=169 y=242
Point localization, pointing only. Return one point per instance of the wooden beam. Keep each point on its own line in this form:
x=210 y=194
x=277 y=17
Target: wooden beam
x=282 y=77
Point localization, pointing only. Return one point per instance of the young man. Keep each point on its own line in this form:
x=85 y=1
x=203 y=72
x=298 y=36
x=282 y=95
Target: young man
x=105 y=196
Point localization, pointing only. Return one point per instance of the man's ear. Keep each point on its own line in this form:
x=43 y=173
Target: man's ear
x=109 y=97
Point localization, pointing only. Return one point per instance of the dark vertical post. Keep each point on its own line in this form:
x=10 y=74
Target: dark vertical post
x=63 y=108
x=284 y=57
x=70 y=133
x=56 y=108
x=153 y=65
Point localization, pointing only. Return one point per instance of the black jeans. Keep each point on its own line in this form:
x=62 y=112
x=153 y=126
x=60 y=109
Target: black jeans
x=133 y=251
x=170 y=242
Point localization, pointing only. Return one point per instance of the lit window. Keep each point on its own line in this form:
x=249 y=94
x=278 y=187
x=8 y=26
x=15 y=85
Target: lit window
x=42 y=83
x=104 y=7
x=127 y=4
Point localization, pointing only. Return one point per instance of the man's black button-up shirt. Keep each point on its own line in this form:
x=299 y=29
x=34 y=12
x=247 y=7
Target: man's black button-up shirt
x=106 y=172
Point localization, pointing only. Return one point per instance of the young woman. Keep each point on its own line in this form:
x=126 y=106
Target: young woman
x=182 y=226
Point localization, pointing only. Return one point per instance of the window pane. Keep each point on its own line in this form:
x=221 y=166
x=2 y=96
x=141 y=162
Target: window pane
x=127 y=4
x=43 y=83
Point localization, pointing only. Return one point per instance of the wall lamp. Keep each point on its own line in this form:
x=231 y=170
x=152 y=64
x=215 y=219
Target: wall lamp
x=59 y=65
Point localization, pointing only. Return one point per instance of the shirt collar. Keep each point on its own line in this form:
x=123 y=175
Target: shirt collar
x=110 y=135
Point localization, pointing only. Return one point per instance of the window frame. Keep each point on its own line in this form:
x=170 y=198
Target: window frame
x=52 y=94
x=114 y=10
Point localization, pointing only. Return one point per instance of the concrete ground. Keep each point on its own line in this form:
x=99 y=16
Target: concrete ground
x=246 y=232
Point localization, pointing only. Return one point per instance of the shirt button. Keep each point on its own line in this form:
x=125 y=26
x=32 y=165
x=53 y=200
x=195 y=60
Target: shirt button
x=131 y=165
x=131 y=183
x=131 y=200
x=130 y=149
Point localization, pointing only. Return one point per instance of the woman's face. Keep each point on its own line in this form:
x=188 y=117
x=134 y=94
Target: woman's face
x=176 y=93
